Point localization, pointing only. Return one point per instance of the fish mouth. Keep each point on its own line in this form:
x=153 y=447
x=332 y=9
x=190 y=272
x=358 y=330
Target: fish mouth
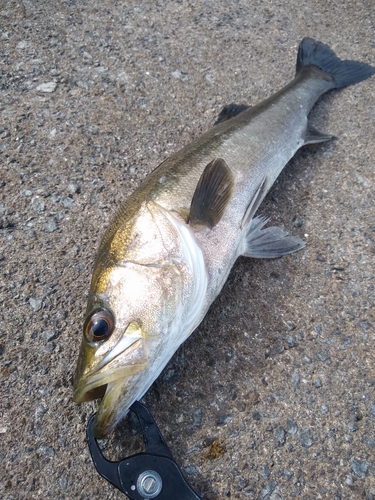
x=112 y=387
x=109 y=380
x=95 y=385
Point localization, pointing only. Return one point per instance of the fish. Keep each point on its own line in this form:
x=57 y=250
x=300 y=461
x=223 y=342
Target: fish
x=172 y=243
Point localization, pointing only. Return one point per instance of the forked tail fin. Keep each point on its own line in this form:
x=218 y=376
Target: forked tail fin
x=343 y=72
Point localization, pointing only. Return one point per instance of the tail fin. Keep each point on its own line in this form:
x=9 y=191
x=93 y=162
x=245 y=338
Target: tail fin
x=344 y=73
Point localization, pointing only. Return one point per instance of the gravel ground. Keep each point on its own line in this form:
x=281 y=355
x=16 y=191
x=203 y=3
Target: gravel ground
x=273 y=396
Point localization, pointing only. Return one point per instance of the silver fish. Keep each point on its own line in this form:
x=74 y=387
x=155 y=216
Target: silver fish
x=172 y=243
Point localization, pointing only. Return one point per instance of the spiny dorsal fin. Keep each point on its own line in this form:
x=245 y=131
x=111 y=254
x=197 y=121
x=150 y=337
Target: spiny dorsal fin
x=212 y=194
x=229 y=111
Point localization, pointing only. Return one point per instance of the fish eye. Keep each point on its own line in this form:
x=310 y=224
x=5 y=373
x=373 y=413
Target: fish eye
x=99 y=325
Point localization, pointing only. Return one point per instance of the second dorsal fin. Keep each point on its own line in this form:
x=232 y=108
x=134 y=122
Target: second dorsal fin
x=229 y=111
x=212 y=194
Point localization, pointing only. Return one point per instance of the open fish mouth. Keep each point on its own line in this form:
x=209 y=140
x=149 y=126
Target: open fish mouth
x=109 y=378
x=111 y=387
x=94 y=385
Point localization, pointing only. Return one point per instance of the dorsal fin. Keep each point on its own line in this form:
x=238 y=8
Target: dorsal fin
x=229 y=111
x=212 y=194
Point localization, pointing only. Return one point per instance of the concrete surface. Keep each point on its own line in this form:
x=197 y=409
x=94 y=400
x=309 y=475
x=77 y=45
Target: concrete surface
x=273 y=396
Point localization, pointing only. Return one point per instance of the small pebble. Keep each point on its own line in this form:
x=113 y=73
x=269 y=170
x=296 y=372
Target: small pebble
x=228 y=353
x=270 y=487
x=73 y=188
x=26 y=192
x=305 y=438
x=290 y=325
x=191 y=470
x=49 y=348
x=353 y=426
x=48 y=336
x=360 y=468
x=291 y=426
x=279 y=434
x=349 y=480
x=317 y=383
x=291 y=341
x=51 y=225
x=47 y=87
x=365 y=325
x=265 y=471
x=35 y=304
x=100 y=69
x=276 y=495
x=83 y=84
x=240 y=483
x=47 y=450
x=324 y=409
x=296 y=379
x=63 y=483
x=324 y=357
x=298 y=222
x=67 y=202
x=288 y=474
x=55 y=197
x=224 y=419
x=256 y=415
x=318 y=328
x=42 y=192
x=38 y=204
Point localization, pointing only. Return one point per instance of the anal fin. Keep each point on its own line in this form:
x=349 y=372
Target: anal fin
x=270 y=242
x=212 y=194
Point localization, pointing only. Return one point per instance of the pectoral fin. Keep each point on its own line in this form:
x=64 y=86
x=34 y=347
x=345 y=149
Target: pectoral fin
x=212 y=194
x=271 y=242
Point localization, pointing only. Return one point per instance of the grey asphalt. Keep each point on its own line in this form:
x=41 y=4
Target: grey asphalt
x=273 y=396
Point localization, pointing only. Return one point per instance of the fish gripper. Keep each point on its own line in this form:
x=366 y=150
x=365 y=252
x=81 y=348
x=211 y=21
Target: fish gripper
x=145 y=475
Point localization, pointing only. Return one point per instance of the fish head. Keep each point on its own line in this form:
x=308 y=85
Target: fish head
x=122 y=335
x=134 y=313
